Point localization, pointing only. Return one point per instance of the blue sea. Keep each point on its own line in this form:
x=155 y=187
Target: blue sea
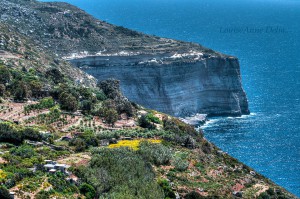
x=265 y=36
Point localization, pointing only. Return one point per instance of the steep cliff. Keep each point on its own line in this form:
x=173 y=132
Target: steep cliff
x=179 y=78
x=170 y=84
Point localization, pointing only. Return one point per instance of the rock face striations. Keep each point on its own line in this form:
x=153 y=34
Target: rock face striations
x=166 y=83
x=174 y=77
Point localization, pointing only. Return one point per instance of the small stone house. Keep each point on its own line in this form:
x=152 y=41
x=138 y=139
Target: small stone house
x=53 y=167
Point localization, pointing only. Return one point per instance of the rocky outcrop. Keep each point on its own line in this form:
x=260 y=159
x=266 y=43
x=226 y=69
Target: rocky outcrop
x=176 y=84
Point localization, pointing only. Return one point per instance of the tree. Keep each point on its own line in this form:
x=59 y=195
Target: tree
x=4 y=75
x=110 y=87
x=55 y=75
x=86 y=106
x=124 y=106
x=68 y=102
x=36 y=87
x=89 y=138
x=2 y=90
x=111 y=116
x=21 y=90
x=87 y=94
x=79 y=144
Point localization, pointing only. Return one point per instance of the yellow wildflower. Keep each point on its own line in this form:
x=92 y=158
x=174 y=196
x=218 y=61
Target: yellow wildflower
x=134 y=144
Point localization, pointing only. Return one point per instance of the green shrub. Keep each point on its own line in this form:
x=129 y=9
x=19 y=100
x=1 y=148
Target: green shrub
x=150 y=117
x=59 y=184
x=111 y=89
x=24 y=151
x=31 y=134
x=14 y=134
x=194 y=195
x=180 y=164
x=100 y=95
x=165 y=185
x=145 y=123
x=55 y=75
x=180 y=128
x=157 y=154
x=87 y=190
x=89 y=138
x=271 y=191
x=119 y=173
x=148 y=120
x=124 y=106
x=35 y=87
x=86 y=106
x=264 y=195
x=79 y=144
x=44 y=103
x=47 y=102
x=44 y=194
x=15 y=173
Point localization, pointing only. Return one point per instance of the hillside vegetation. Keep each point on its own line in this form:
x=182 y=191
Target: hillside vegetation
x=115 y=148
x=104 y=145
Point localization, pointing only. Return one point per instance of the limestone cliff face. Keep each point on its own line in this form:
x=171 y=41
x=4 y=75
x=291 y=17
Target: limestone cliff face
x=173 y=83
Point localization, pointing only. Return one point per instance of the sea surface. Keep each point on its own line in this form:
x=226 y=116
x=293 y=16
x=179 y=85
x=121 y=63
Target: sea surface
x=265 y=36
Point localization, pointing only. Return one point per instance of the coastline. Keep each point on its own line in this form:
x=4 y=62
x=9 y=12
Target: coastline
x=176 y=56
